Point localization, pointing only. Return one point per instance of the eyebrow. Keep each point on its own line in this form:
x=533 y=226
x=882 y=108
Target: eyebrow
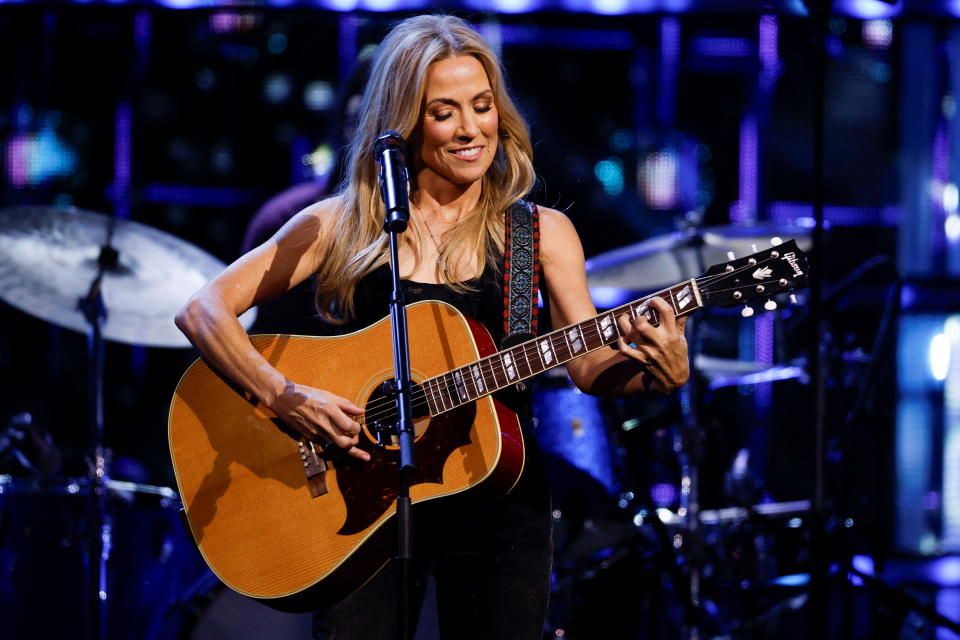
x=453 y=103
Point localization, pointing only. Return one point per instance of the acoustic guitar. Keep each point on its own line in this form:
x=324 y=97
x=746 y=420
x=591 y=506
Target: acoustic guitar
x=278 y=519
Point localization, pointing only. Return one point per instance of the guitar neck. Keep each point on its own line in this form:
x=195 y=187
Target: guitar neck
x=504 y=368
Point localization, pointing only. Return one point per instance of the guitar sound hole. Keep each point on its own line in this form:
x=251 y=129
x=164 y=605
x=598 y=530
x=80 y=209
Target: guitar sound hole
x=381 y=415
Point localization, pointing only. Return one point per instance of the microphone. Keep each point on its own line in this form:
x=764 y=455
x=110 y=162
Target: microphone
x=390 y=152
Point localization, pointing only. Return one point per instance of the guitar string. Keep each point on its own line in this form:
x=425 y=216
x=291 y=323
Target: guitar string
x=555 y=338
x=443 y=386
x=496 y=366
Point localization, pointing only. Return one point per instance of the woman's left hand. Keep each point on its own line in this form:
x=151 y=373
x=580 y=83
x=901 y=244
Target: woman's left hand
x=661 y=349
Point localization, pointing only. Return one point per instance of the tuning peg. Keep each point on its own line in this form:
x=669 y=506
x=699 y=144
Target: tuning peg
x=770 y=305
x=747 y=311
x=776 y=241
x=793 y=298
x=731 y=255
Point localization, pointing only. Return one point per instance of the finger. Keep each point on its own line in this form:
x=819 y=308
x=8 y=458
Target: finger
x=348 y=407
x=359 y=454
x=345 y=442
x=682 y=323
x=344 y=423
x=668 y=316
x=632 y=352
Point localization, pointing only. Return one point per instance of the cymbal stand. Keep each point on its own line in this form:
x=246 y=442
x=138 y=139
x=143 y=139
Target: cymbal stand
x=690 y=453
x=98 y=534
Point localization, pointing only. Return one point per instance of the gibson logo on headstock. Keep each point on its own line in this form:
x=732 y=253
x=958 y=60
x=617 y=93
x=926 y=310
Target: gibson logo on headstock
x=791 y=259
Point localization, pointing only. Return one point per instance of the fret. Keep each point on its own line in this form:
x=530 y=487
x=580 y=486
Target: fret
x=508 y=366
x=575 y=339
x=685 y=300
x=460 y=387
x=478 y=381
x=437 y=393
x=468 y=383
x=431 y=399
x=608 y=329
x=546 y=352
x=497 y=372
x=522 y=360
x=447 y=390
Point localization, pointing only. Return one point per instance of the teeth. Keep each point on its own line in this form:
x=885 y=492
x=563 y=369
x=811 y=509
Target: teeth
x=467 y=153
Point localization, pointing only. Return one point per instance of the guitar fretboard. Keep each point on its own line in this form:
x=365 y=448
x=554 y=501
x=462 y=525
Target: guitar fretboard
x=504 y=368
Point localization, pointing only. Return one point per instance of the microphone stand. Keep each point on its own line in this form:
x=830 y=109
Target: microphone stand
x=395 y=223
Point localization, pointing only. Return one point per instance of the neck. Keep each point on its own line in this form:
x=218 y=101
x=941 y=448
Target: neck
x=445 y=202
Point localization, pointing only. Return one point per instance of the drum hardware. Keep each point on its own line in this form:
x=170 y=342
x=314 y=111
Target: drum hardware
x=44 y=526
x=113 y=280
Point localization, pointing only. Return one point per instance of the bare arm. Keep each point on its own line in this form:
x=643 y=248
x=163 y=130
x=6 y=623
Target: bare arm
x=209 y=320
x=659 y=360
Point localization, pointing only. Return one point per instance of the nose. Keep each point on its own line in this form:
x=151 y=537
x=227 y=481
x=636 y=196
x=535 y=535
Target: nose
x=469 y=127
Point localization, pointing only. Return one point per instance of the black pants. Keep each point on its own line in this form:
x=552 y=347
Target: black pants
x=490 y=559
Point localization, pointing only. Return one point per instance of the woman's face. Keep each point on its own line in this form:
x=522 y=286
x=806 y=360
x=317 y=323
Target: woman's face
x=460 y=123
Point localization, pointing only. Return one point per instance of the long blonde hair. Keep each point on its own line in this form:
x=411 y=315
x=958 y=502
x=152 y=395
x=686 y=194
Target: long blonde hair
x=394 y=100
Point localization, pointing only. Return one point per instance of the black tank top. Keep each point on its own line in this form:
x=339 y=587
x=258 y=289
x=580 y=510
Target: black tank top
x=484 y=303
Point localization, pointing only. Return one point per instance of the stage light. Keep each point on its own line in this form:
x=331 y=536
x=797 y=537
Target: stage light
x=33 y=158
x=951 y=228
x=658 y=179
x=318 y=95
x=610 y=174
x=277 y=88
x=611 y=7
x=513 y=6
x=950 y=197
x=320 y=161
x=939 y=357
x=868 y=9
x=277 y=43
x=877 y=34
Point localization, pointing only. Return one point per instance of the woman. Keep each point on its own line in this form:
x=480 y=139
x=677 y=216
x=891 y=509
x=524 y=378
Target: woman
x=469 y=158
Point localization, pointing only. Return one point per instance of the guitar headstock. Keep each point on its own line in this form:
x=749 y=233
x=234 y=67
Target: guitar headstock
x=779 y=269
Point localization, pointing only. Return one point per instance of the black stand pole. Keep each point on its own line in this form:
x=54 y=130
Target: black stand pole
x=395 y=223
x=98 y=534
x=819 y=14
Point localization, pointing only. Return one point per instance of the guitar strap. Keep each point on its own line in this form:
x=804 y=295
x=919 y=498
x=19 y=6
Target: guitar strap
x=521 y=273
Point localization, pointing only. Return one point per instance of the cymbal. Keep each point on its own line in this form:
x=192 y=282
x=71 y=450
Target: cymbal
x=49 y=259
x=663 y=261
x=746 y=239
x=723 y=372
x=652 y=264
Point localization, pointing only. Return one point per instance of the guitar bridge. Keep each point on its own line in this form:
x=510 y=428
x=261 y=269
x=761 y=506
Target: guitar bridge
x=314 y=466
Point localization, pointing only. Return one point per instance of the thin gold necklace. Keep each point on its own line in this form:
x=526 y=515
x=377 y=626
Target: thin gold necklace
x=430 y=233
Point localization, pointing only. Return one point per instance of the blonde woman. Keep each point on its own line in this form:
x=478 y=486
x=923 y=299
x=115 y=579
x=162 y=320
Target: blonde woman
x=469 y=159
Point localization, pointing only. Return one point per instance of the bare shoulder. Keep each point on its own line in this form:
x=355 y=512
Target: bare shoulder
x=311 y=225
x=558 y=236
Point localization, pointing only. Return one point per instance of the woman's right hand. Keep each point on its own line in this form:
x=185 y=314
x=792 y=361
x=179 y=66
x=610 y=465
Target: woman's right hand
x=320 y=416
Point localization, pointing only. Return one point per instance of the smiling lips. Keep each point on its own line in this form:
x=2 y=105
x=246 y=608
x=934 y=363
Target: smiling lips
x=467 y=154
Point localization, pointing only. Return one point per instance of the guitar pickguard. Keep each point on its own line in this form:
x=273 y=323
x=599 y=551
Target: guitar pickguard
x=369 y=488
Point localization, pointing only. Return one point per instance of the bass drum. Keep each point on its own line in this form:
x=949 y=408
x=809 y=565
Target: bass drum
x=212 y=611
x=43 y=529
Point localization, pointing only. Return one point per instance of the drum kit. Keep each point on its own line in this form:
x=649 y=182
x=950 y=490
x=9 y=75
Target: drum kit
x=626 y=475
x=93 y=556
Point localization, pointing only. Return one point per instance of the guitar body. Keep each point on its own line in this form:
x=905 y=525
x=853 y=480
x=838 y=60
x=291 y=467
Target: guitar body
x=245 y=492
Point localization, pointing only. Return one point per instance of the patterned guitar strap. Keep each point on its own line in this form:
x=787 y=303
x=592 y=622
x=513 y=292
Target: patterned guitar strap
x=521 y=274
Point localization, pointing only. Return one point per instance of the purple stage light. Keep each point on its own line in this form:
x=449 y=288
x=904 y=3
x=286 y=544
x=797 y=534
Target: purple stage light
x=669 y=60
x=868 y=9
x=749 y=168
